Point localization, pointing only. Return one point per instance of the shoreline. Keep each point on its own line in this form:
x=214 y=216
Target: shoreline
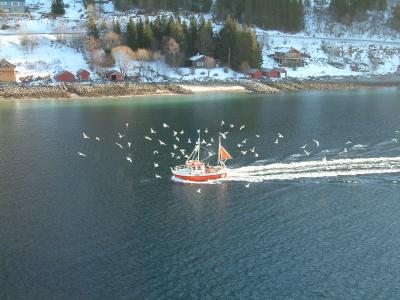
x=110 y=90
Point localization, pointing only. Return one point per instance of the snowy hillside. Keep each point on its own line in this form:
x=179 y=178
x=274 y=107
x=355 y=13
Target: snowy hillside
x=333 y=48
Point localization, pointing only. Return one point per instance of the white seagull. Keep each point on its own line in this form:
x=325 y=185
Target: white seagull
x=198 y=191
x=182 y=132
x=129 y=159
x=162 y=143
x=155 y=165
x=239 y=145
x=307 y=153
x=243 y=152
x=247 y=185
x=206 y=130
x=85 y=136
x=231 y=125
x=242 y=127
x=127 y=125
x=303 y=147
x=81 y=154
x=189 y=141
x=152 y=131
x=223 y=135
x=129 y=144
x=177 y=138
x=212 y=140
x=155 y=152
x=222 y=122
x=157 y=176
x=252 y=150
x=148 y=138
x=280 y=135
x=257 y=136
x=120 y=135
x=277 y=141
x=394 y=141
x=97 y=138
x=175 y=147
x=119 y=145
x=255 y=155
x=175 y=133
x=316 y=142
x=165 y=125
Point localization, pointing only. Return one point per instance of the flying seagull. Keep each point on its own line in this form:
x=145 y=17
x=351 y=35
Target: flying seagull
x=81 y=154
x=85 y=136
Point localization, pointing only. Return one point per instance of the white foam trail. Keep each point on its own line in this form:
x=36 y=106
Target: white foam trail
x=316 y=169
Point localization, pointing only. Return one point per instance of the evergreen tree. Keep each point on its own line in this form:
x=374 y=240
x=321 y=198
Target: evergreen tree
x=92 y=28
x=131 y=34
x=147 y=36
x=117 y=27
x=57 y=7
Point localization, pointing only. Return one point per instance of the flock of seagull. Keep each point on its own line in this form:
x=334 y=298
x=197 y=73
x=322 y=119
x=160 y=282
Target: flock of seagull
x=179 y=142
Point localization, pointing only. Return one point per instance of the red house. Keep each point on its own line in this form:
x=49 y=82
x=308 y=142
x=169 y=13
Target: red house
x=83 y=75
x=115 y=76
x=255 y=73
x=274 y=73
x=64 y=76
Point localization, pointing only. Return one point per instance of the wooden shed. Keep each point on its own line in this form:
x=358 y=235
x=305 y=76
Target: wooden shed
x=115 y=76
x=83 y=75
x=7 y=71
x=64 y=76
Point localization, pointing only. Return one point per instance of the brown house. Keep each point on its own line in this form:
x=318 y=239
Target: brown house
x=7 y=71
x=115 y=76
x=64 y=76
x=290 y=58
x=274 y=73
x=83 y=75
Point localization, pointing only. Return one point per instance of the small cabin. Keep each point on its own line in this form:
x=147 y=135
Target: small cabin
x=255 y=73
x=7 y=71
x=64 y=76
x=83 y=75
x=198 y=61
x=115 y=76
x=290 y=57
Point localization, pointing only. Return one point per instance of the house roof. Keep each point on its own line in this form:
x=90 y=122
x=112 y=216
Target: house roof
x=6 y=64
x=62 y=72
x=113 y=72
x=253 y=70
x=286 y=50
x=197 y=57
x=281 y=70
x=82 y=70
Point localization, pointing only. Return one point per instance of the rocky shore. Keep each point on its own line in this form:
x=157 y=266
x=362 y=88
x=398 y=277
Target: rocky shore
x=91 y=90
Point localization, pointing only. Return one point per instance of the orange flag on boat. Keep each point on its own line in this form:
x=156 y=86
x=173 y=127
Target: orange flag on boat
x=224 y=155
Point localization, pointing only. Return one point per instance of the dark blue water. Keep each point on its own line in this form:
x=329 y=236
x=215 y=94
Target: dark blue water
x=98 y=227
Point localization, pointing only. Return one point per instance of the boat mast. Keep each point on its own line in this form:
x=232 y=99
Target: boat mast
x=198 y=148
x=219 y=149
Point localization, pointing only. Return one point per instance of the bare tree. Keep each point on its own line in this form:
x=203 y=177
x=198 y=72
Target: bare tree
x=110 y=41
x=142 y=55
x=124 y=58
x=209 y=63
x=100 y=61
x=171 y=48
x=28 y=42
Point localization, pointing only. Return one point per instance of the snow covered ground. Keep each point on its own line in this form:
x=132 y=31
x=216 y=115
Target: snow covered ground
x=370 y=49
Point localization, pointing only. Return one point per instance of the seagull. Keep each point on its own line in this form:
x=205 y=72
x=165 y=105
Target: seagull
x=175 y=133
x=222 y=122
x=152 y=131
x=81 y=154
x=119 y=145
x=348 y=143
x=252 y=150
x=120 y=135
x=242 y=127
x=277 y=141
x=212 y=140
x=255 y=155
x=182 y=151
x=97 y=138
x=257 y=136
x=231 y=125
x=129 y=159
x=198 y=191
x=324 y=159
x=210 y=154
x=198 y=130
x=345 y=150
x=189 y=141
x=178 y=157
x=239 y=145
x=148 y=138
x=182 y=132
x=129 y=144
x=155 y=152
x=396 y=131
x=243 y=152
x=127 y=125
x=316 y=142
x=206 y=130
x=247 y=185
x=177 y=138
x=394 y=141
x=307 y=153
x=175 y=147
x=85 y=136
x=203 y=142
x=303 y=147
x=158 y=176
x=280 y=135
x=209 y=145
x=165 y=125
x=162 y=143
x=244 y=141
x=155 y=165
x=172 y=154
x=223 y=135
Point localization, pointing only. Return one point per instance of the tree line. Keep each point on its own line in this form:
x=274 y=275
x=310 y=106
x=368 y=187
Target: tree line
x=172 y=5
x=347 y=11
x=178 y=39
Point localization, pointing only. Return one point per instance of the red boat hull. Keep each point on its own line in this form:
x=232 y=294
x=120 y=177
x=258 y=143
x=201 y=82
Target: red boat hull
x=201 y=178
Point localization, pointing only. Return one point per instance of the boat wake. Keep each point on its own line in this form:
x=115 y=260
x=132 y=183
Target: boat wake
x=316 y=169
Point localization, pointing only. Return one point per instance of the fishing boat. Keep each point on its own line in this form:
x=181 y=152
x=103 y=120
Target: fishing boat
x=199 y=170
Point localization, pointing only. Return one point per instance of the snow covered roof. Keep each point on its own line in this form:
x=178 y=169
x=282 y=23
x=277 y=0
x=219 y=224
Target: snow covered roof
x=197 y=57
